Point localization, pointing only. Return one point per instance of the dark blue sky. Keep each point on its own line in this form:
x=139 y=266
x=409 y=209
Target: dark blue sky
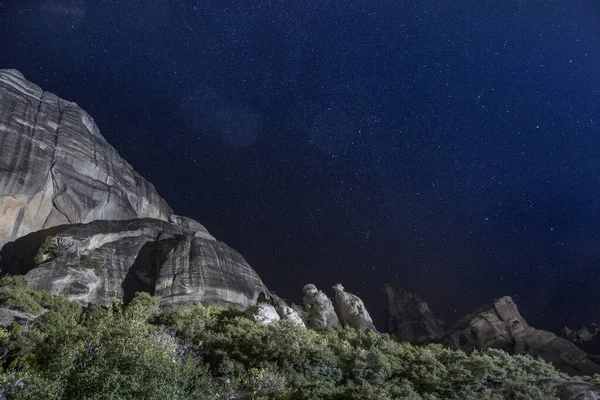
x=450 y=147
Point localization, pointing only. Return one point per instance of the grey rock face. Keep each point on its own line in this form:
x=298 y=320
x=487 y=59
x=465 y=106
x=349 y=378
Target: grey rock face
x=573 y=389
x=104 y=261
x=320 y=313
x=8 y=316
x=352 y=310
x=409 y=317
x=285 y=311
x=56 y=168
x=263 y=314
x=502 y=326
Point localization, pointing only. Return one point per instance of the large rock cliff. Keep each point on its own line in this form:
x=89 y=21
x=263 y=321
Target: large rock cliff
x=56 y=168
x=77 y=220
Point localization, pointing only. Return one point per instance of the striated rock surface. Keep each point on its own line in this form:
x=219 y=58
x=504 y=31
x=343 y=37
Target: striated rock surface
x=352 y=311
x=56 y=168
x=409 y=317
x=263 y=314
x=105 y=261
x=320 y=313
x=502 y=326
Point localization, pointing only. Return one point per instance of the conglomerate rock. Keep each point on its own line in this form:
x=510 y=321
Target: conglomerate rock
x=320 y=313
x=502 y=326
x=104 y=261
x=409 y=317
x=56 y=168
x=352 y=311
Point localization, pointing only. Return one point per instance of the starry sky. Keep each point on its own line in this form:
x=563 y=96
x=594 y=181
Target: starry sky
x=451 y=147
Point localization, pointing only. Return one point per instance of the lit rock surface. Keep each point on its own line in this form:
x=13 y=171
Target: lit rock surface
x=56 y=168
x=502 y=326
x=105 y=261
x=320 y=313
x=263 y=314
x=409 y=317
x=285 y=311
x=352 y=311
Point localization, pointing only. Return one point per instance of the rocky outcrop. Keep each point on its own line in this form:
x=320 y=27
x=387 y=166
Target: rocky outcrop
x=56 y=168
x=263 y=314
x=285 y=311
x=320 y=313
x=573 y=389
x=587 y=338
x=104 y=261
x=409 y=317
x=352 y=311
x=8 y=316
x=502 y=326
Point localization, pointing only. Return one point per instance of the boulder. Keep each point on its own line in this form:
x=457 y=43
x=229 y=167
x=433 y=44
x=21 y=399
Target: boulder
x=567 y=389
x=8 y=316
x=501 y=325
x=320 y=313
x=57 y=169
x=352 y=311
x=285 y=311
x=104 y=261
x=409 y=317
x=263 y=314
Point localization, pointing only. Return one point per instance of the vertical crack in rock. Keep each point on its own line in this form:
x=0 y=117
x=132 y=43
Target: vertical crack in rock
x=57 y=192
x=37 y=112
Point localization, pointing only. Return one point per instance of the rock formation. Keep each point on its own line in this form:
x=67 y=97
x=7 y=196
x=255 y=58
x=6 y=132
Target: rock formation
x=105 y=261
x=320 y=313
x=587 y=338
x=56 y=168
x=573 y=389
x=8 y=316
x=263 y=314
x=502 y=326
x=77 y=220
x=285 y=311
x=409 y=317
x=352 y=311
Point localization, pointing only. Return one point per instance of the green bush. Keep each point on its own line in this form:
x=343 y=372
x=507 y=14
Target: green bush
x=197 y=352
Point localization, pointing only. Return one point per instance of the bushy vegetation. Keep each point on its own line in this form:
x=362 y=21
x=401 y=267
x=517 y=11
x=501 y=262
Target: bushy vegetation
x=198 y=352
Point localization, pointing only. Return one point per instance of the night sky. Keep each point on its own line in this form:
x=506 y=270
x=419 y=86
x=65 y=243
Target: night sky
x=451 y=147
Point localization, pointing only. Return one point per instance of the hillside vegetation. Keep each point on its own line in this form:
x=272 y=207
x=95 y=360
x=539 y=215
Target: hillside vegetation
x=197 y=352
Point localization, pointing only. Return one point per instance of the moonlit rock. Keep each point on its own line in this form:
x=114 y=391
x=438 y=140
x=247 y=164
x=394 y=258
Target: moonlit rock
x=263 y=314
x=352 y=311
x=319 y=309
x=104 y=261
x=56 y=168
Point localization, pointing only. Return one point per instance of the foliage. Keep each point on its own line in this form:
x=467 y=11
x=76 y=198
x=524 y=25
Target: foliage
x=91 y=263
x=48 y=247
x=197 y=352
